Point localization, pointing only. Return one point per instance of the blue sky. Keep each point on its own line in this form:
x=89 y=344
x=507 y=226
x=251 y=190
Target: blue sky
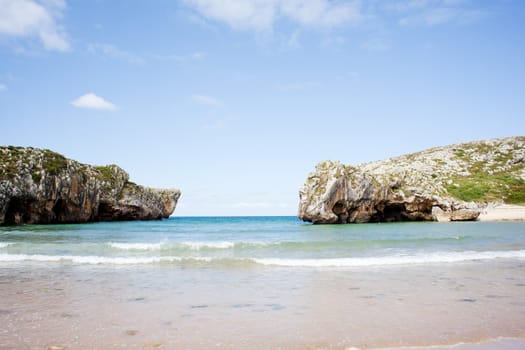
x=234 y=102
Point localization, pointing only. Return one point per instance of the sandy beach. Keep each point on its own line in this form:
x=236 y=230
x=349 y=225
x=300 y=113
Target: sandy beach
x=503 y=212
x=431 y=307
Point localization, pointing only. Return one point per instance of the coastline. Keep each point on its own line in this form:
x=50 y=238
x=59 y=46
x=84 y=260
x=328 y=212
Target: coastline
x=500 y=343
x=263 y=283
x=502 y=212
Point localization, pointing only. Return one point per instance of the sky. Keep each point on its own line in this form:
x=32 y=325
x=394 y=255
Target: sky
x=236 y=101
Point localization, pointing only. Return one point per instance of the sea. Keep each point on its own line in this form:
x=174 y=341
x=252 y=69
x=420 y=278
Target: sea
x=262 y=283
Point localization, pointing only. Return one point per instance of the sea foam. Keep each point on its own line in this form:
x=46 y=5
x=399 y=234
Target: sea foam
x=172 y=245
x=135 y=246
x=208 y=245
x=421 y=259
x=97 y=260
x=431 y=258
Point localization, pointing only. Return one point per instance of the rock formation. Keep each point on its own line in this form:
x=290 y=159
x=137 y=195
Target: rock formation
x=451 y=183
x=41 y=186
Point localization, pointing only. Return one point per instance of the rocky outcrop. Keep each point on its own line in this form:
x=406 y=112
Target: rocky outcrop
x=452 y=183
x=41 y=186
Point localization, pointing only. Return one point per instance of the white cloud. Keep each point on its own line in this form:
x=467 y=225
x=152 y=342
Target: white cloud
x=440 y=15
x=3 y=87
x=198 y=55
x=114 y=52
x=435 y=12
x=194 y=56
x=260 y=15
x=92 y=101
x=321 y=12
x=239 y=14
x=28 y=18
x=207 y=100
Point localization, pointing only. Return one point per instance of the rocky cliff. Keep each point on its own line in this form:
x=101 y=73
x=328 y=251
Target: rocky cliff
x=42 y=186
x=440 y=184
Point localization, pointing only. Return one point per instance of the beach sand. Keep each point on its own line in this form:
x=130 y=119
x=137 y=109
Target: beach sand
x=156 y=307
x=494 y=344
x=503 y=212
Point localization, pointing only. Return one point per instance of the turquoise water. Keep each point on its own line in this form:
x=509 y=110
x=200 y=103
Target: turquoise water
x=255 y=241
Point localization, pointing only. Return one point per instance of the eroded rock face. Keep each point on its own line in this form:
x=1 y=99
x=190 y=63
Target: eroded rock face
x=424 y=186
x=41 y=186
x=338 y=194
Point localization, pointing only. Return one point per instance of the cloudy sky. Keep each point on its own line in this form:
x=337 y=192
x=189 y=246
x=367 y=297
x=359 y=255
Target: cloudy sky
x=235 y=101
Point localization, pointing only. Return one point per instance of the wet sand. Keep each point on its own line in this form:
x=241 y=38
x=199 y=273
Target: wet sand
x=159 y=307
x=501 y=343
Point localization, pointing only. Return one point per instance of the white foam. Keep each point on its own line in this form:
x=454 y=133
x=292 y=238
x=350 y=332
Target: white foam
x=213 y=245
x=420 y=259
x=5 y=244
x=135 y=246
x=197 y=245
x=97 y=260
x=431 y=258
x=262 y=244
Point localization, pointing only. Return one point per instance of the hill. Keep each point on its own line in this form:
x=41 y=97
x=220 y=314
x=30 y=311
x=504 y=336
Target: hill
x=42 y=186
x=454 y=182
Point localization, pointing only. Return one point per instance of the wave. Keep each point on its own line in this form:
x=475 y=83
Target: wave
x=135 y=246
x=206 y=245
x=196 y=246
x=421 y=259
x=5 y=244
x=177 y=247
x=97 y=260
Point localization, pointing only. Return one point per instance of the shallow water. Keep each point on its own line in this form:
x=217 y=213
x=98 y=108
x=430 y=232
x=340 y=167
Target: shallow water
x=260 y=283
x=276 y=241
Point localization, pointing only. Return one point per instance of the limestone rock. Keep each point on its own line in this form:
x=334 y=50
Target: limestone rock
x=451 y=183
x=41 y=186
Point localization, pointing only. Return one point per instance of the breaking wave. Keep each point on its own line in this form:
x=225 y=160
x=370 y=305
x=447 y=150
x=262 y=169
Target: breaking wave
x=393 y=260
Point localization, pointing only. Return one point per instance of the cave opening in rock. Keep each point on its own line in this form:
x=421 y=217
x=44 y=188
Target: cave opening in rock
x=391 y=212
x=17 y=212
x=60 y=210
x=105 y=212
x=394 y=212
x=340 y=209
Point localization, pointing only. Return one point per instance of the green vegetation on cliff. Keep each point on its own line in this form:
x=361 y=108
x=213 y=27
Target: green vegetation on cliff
x=42 y=186
x=435 y=184
x=54 y=162
x=495 y=172
x=480 y=171
x=493 y=188
x=17 y=160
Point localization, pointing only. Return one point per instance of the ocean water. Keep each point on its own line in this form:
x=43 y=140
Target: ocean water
x=262 y=283
x=271 y=241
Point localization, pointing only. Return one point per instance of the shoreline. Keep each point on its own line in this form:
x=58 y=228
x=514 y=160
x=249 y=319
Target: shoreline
x=502 y=212
x=499 y=343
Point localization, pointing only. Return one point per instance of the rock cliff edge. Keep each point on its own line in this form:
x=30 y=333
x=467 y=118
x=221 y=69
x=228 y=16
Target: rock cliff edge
x=41 y=186
x=452 y=183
